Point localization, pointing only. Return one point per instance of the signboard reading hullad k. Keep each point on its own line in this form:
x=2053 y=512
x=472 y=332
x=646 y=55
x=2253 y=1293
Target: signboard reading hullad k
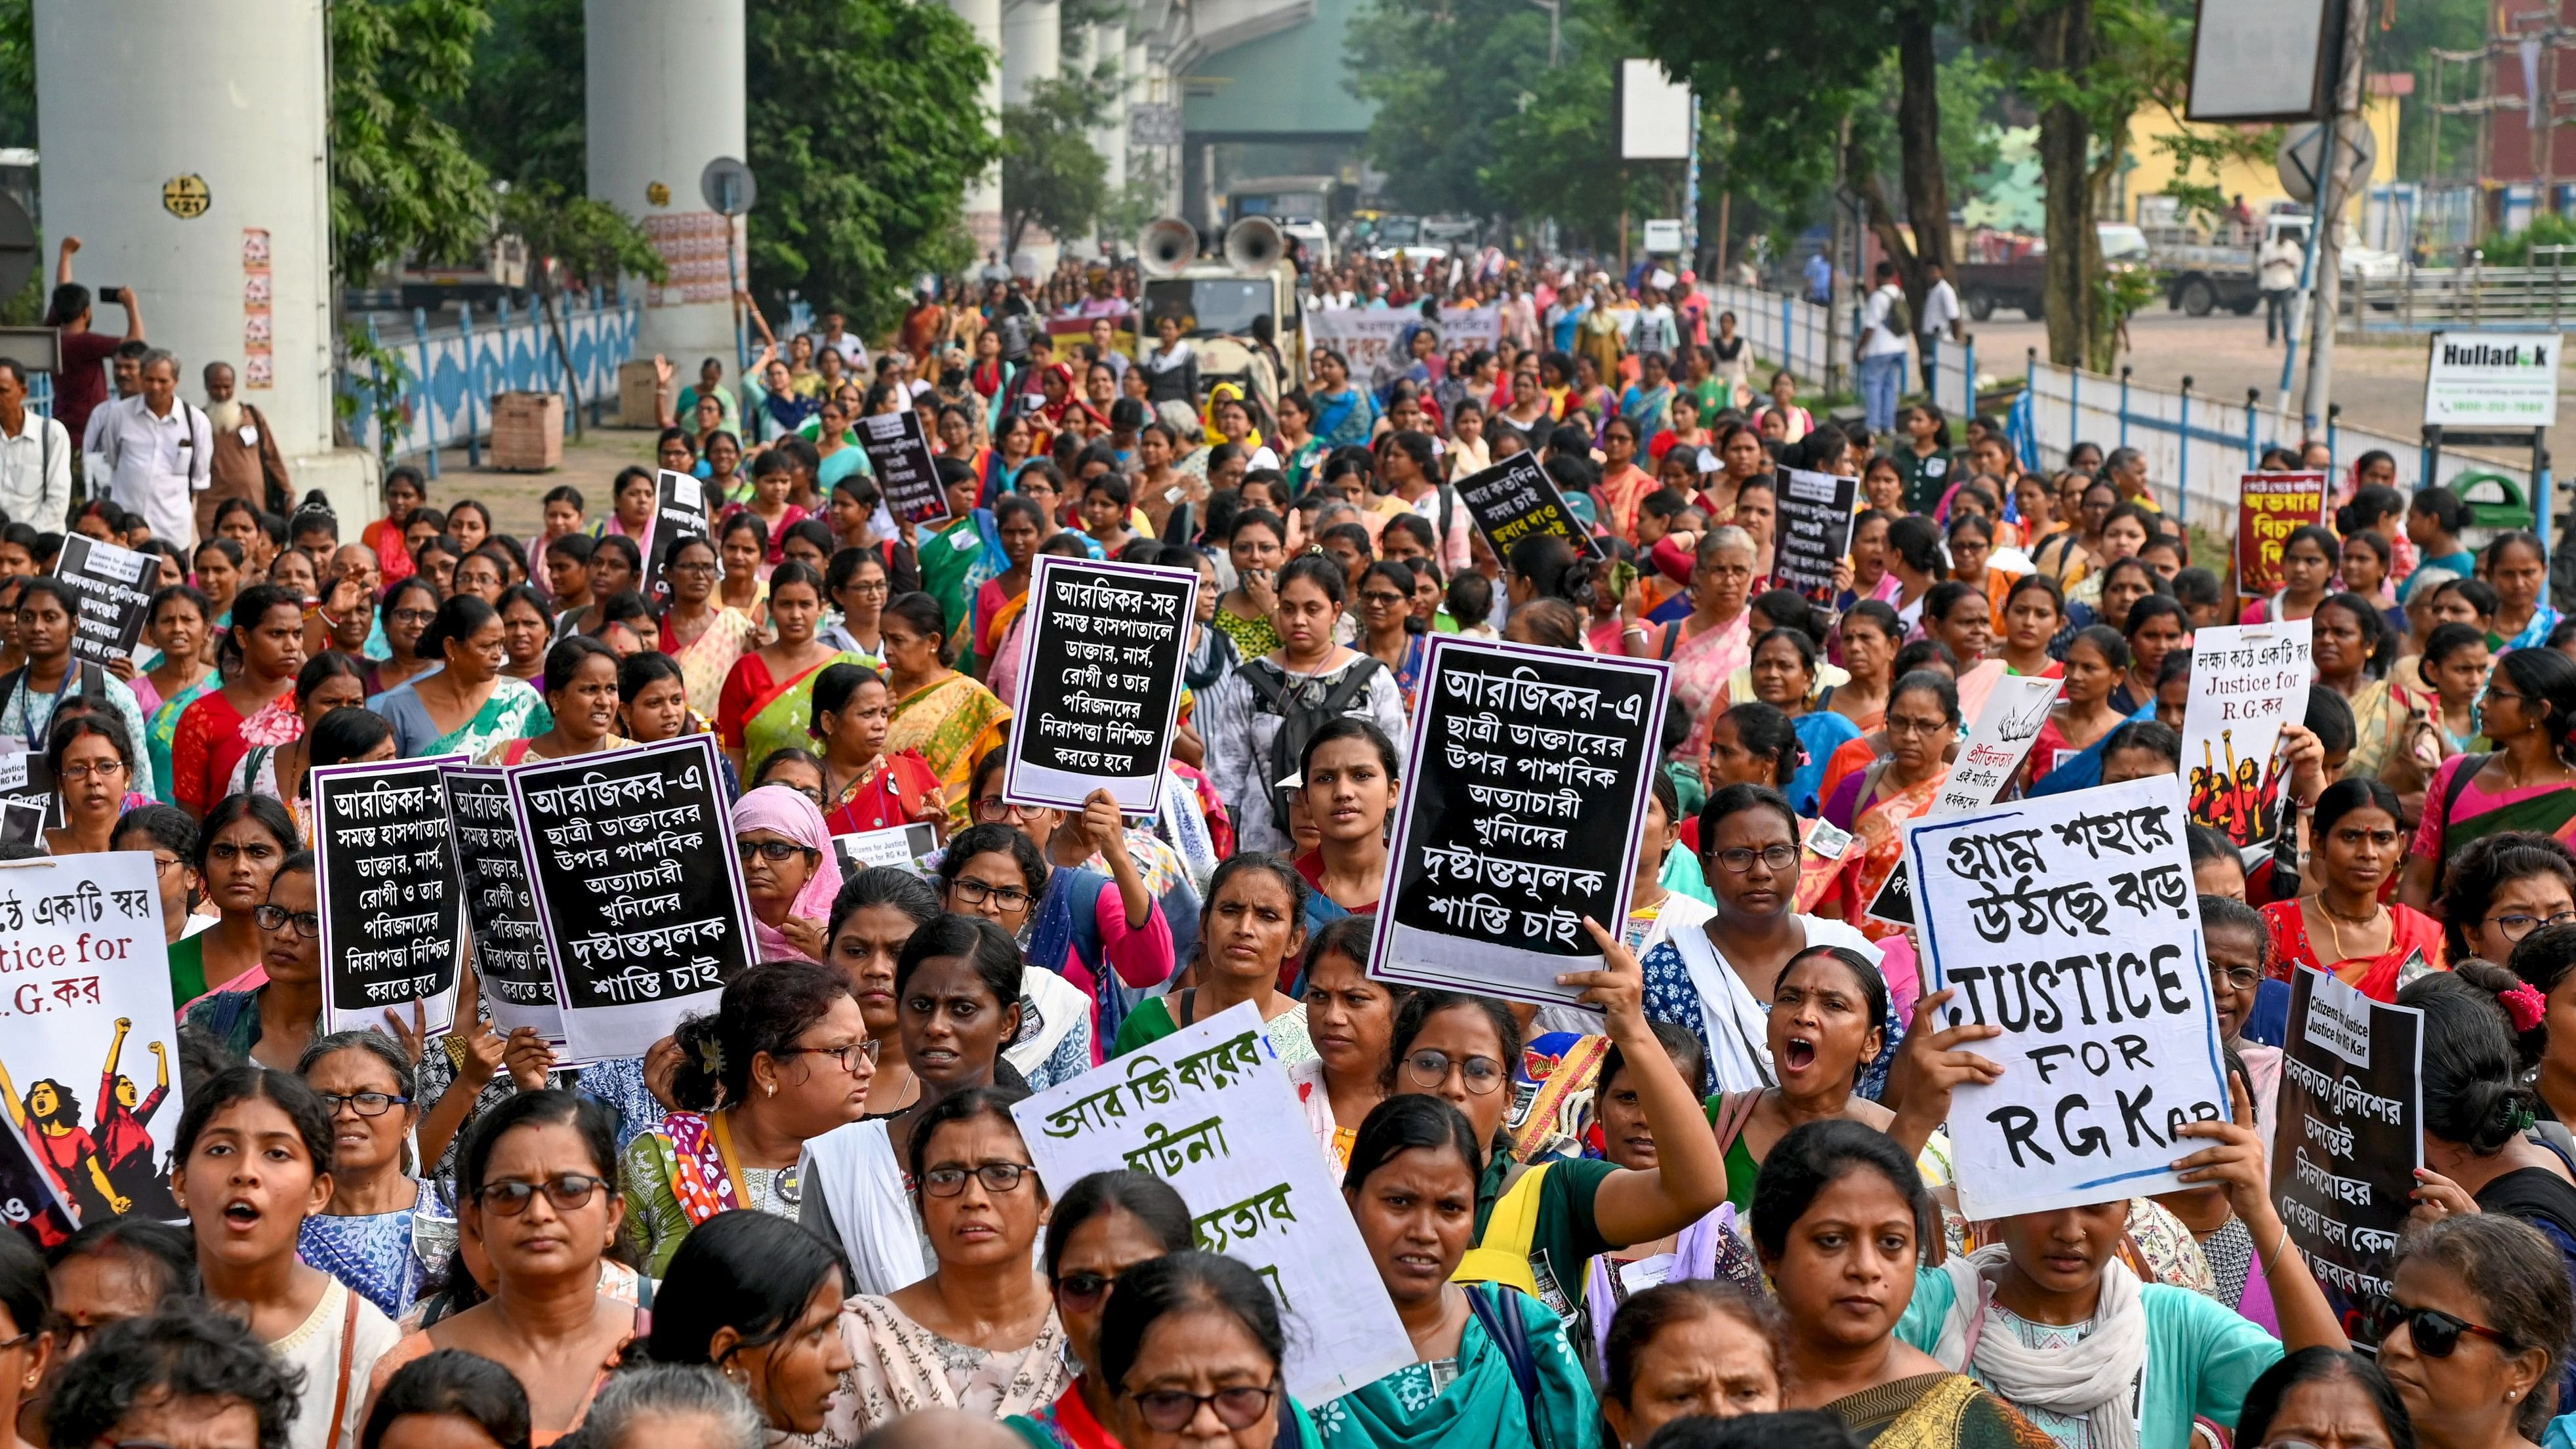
x=2493 y=379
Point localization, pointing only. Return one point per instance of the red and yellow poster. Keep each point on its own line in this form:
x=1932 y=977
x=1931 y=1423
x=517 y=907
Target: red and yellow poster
x=2271 y=507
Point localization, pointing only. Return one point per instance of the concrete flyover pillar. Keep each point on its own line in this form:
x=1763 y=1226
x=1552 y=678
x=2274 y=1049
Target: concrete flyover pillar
x=1109 y=138
x=665 y=95
x=983 y=204
x=208 y=195
x=1032 y=50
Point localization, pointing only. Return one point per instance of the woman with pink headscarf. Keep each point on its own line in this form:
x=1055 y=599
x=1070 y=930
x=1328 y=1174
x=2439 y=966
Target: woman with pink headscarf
x=788 y=871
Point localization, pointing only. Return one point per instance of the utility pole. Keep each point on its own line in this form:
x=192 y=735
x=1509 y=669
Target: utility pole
x=1555 y=28
x=2333 y=196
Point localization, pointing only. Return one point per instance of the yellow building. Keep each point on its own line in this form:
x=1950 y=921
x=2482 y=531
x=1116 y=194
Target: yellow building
x=2150 y=167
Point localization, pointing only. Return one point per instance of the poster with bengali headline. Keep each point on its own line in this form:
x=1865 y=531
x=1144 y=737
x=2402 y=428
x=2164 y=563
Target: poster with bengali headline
x=1815 y=530
x=501 y=905
x=680 y=510
x=1100 y=688
x=2247 y=680
x=2070 y=921
x=2008 y=723
x=1519 y=816
x=89 y=1051
x=115 y=587
x=1210 y=1110
x=393 y=907
x=1514 y=499
x=2348 y=1135
x=2269 y=508
x=907 y=472
x=632 y=856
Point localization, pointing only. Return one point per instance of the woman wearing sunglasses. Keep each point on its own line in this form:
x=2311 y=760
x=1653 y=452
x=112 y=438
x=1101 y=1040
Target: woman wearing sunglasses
x=789 y=871
x=1537 y=1235
x=981 y=1332
x=537 y=1196
x=253 y=1161
x=758 y=1299
x=1102 y=1229
x=365 y=1236
x=1194 y=1344
x=272 y=1023
x=787 y=1054
x=2473 y=1336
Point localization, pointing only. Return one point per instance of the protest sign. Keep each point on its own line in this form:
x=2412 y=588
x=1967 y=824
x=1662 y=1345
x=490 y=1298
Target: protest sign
x=1209 y=1110
x=679 y=511
x=902 y=847
x=1815 y=530
x=2348 y=1134
x=1371 y=339
x=632 y=857
x=2246 y=682
x=1521 y=807
x=30 y=1200
x=115 y=587
x=2070 y=922
x=88 y=978
x=2007 y=724
x=393 y=907
x=1514 y=499
x=2270 y=507
x=27 y=800
x=1101 y=683
x=899 y=454
x=500 y=905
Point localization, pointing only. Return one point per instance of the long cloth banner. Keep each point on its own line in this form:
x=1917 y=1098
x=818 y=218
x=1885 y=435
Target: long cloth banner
x=2070 y=922
x=1210 y=1110
x=2349 y=1134
x=1519 y=816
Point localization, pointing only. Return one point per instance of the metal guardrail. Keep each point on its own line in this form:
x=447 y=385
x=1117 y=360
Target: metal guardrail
x=2425 y=299
x=450 y=374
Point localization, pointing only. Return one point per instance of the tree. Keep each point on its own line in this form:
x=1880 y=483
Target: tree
x=1443 y=75
x=402 y=182
x=525 y=116
x=1051 y=177
x=574 y=238
x=867 y=121
x=17 y=73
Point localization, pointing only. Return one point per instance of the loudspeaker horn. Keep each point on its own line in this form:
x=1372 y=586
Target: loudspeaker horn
x=1166 y=245
x=1255 y=244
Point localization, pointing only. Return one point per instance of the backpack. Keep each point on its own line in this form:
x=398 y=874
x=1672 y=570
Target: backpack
x=1900 y=316
x=1299 y=721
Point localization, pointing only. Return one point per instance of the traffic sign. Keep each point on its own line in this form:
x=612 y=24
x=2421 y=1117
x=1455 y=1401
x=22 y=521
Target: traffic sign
x=727 y=186
x=2301 y=157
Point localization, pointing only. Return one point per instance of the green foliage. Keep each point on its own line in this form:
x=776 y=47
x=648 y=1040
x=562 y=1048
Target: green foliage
x=402 y=182
x=1557 y=155
x=2212 y=147
x=2422 y=26
x=524 y=116
x=17 y=73
x=593 y=239
x=1442 y=75
x=2118 y=296
x=1051 y=176
x=374 y=377
x=1788 y=74
x=1971 y=84
x=2513 y=248
x=866 y=121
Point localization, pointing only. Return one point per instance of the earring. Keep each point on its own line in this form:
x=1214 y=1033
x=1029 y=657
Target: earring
x=770 y=1087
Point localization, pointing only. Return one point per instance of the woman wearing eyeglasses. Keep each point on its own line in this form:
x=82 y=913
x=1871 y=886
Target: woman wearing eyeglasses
x=981 y=1332
x=1534 y=1230
x=758 y=1299
x=789 y=872
x=2473 y=1337
x=1718 y=979
x=1104 y=1227
x=2502 y=888
x=1102 y=936
x=537 y=1197
x=1194 y=1344
x=382 y=1231
x=252 y=1160
x=273 y=1022
x=1873 y=804
x=1255 y=927
x=700 y=630
x=93 y=765
x=787 y=1054
x=1413 y=1189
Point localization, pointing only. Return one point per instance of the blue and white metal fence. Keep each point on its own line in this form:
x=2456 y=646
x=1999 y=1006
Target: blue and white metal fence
x=452 y=372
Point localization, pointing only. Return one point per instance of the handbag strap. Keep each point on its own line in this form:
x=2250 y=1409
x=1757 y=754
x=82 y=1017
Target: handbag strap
x=348 y=1360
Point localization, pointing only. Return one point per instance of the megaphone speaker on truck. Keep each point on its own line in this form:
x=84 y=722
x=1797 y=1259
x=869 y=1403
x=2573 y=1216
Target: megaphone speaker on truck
x=1166 y=245
x=1255 y=244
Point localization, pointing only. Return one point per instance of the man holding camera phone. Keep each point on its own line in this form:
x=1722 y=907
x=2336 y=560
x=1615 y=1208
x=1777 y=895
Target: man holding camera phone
x=80 y=385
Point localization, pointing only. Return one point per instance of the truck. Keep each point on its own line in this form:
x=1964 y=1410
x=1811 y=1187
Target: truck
x=2015 y=273
x=1220 y=298
x=2201 y=276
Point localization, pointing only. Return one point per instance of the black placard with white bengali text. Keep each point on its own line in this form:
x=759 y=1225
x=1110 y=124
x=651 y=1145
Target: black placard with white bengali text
x=906 y=470
x=500 y=905
x=2348 y=1134
x=1515 y=499
x=115 y=587
x=392 y=905
x=1815 y=529
x=681 y=509
x=1101 y=683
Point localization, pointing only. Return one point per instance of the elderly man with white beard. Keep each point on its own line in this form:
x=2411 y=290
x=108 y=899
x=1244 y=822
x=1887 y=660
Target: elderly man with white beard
x=247 y=463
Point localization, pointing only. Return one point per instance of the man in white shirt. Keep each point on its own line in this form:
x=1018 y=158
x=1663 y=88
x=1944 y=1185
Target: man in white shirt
x=2277 y=273
x=1882 y=349
x=1940 y=317
x=835 y=336
x=35 y=457
x=159 y=452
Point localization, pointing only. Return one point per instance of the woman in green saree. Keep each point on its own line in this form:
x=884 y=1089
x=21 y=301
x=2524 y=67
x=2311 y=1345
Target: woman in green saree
x=951 y=720
x=2529 y=713
x=959 y=555
x=178 y=625
x=1412 y=1190
x=468 y=706
x=768 y=698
